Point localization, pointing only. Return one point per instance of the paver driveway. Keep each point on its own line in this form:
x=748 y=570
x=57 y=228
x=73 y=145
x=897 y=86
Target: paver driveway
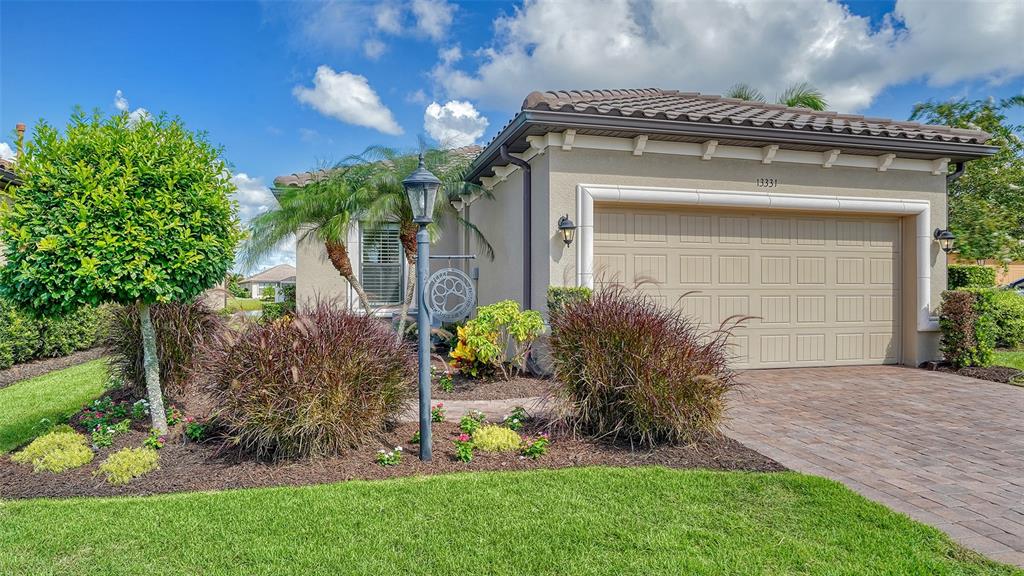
x=943 y=449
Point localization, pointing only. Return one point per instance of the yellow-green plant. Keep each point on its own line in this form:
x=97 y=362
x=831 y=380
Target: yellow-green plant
x=123 y=466
x=57 y=451
x=493 y=438
x=500 y=336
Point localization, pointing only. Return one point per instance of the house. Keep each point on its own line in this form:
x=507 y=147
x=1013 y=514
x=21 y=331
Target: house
x=276 y=278
x=817 y=225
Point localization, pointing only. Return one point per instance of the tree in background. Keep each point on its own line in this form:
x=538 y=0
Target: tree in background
x=800 y=95
x=133 y=212
x=986 y=204
x=379 y=171
x=233 y=282
x=323 y=209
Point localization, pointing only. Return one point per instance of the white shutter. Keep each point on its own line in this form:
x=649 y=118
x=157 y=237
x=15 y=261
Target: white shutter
x=381 y=264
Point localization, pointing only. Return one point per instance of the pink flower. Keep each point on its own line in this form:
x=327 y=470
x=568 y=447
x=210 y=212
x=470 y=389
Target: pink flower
x=463 y=438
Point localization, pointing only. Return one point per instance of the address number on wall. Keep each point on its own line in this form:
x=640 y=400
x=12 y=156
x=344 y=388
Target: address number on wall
x=767 y=182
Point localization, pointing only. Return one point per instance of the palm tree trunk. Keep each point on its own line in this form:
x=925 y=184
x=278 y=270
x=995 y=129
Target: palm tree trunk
x=152 y=370
x=407 y=235
x=338 y=255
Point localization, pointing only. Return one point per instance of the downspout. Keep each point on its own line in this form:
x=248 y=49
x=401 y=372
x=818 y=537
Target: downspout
x=958 y=171
x=527 y=225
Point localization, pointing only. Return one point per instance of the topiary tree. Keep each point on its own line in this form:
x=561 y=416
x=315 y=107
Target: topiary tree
x=129 y=211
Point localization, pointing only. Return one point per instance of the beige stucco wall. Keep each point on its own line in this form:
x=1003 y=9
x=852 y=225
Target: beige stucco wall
x=557 y=173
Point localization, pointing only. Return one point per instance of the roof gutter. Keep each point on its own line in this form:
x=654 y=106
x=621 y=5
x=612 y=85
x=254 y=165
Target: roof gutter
x=958 y=171
x=527 y=224
x=527 y=118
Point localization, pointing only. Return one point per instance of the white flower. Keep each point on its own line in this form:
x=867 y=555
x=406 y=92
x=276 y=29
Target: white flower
x=398 y=448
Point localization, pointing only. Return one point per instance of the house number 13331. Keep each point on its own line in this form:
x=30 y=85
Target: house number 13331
x=767 y=182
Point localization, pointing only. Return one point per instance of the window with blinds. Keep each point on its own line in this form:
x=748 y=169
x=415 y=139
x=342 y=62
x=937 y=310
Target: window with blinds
x=381 y=264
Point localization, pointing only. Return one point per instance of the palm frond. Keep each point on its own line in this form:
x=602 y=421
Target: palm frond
x=803 y=95
x=744 y=91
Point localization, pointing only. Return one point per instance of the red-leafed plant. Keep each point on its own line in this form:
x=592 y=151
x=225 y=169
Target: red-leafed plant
x=313 y=385
x=631 y=369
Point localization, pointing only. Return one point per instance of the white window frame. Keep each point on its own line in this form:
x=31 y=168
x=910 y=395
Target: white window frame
x=355 y=238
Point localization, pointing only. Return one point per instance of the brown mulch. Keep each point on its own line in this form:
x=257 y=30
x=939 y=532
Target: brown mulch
x=35 y=368
x=470 y=389
x=192 y=467
x=1003 y=374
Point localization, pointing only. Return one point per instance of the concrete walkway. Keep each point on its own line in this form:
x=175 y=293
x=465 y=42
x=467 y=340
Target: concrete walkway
x=944 y=449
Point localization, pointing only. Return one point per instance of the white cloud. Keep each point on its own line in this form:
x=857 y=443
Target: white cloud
x=417 y=97
x=455 y=124
x=450 y=55
x=253 y=199
x=6 y=152
x=708 y=46
x=433 y=17
x=121 y=103
x=374 y=48
x=349 y=98
x=388 y=18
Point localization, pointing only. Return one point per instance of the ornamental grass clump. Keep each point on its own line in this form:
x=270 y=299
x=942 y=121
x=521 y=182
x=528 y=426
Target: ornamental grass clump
x=316 y=384
x=629 y=368
x=59 y=450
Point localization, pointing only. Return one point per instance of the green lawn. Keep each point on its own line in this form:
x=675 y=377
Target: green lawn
x=571 y=521
x=55 y=395
x=243 y=304
x=1011 y=358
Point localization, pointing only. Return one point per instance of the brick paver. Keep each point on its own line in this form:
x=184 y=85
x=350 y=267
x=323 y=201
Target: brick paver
x=943 y=449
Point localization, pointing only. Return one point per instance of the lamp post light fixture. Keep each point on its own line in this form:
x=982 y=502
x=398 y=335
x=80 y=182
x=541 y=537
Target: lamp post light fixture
x=421 y=187
x=568 y=229
x=945 y=239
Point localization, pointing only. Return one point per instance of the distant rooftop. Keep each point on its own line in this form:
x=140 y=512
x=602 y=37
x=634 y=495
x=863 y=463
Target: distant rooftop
x=279 y=273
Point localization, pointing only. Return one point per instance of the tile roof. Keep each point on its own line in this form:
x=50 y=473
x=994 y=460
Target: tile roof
x=302 y=178
x=279 y=273
x=654 y=103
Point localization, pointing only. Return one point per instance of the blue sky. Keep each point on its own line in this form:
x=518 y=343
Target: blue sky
x=247 y=72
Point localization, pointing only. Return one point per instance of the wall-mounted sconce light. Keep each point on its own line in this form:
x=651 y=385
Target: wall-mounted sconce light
x=567 y=229
x=945 y=239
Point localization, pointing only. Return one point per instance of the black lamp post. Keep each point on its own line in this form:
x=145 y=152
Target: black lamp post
x=945 y=239
x=421 y=187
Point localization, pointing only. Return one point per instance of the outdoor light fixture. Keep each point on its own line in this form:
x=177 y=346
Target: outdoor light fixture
x=567 y=229
x=421 y=187
x=945 y=239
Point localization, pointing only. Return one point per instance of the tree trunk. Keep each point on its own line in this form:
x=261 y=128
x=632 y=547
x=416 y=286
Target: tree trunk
x=152 y=368
x=338 y=255
x=407 y=235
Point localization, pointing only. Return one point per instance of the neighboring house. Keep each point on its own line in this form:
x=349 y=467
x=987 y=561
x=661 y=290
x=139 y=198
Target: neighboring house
x=816 y=225
x=8 y=180
x=276 y=277
x=378 y=259
x=1006 y=272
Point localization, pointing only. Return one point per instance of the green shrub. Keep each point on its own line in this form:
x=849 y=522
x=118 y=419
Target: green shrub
x=324 y=381
x=970 y=276
x=1008 y=315
x=488 y=339
x=268 y=294
x=274 y=310
x=628 y=367
x=493 y=438
x=126 y=464
x=559 y=296
x=968 y=327
x=59 y=450
x=24 y=337
x=181 y=329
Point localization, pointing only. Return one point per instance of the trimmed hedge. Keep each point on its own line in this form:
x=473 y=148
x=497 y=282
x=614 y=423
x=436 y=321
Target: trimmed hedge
x=968 y=327
x=25 y=337
x=1008 y=314
x=970 y=276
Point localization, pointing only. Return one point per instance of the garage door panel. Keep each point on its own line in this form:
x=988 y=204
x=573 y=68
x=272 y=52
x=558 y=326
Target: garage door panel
x=819 y=290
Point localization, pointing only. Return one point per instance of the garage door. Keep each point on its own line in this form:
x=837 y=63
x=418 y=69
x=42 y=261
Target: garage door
x=823 y=290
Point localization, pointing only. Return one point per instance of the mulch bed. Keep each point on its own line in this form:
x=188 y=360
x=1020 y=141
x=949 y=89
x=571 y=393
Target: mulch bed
x=35 y=368
x=470 y=389
x=192 y=467
x=1003 y=374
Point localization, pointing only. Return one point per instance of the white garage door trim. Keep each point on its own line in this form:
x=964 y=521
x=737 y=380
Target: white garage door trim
x=586 y=194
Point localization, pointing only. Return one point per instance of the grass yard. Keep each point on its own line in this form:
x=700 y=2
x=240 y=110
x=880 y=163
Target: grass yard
x=55 y=396
x=572 y=521
x=1011 y=358
x=243 y=304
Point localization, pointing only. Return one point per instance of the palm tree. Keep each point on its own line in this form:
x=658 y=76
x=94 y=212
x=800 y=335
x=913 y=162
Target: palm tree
x=800 y=95
x=378 y=172
x=324 y=208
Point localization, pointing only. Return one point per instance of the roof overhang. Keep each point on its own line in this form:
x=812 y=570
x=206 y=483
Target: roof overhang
x=536 y=122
